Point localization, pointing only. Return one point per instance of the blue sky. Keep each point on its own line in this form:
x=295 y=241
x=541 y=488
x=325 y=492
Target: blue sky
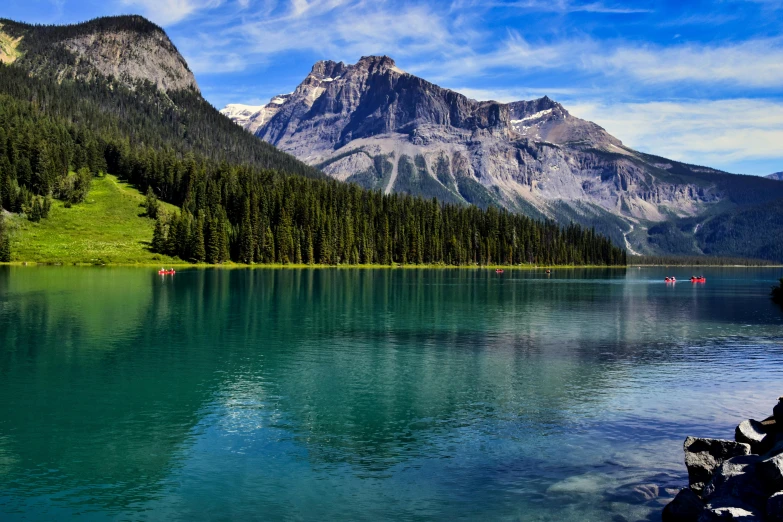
x=692 y=80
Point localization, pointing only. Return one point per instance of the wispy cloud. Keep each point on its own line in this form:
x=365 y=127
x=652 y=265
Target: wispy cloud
x=337 y=29
x=751 y=64
x=556 y=6
x=720 y=132
x=166 y=12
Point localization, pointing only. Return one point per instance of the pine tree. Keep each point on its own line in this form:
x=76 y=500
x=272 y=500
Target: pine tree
x=246 y=246
x=151 y=204
x=35 y=211
x=159 y=237
x=197 y=250
x=5 y=241
x=269 y=246
x=213 y=241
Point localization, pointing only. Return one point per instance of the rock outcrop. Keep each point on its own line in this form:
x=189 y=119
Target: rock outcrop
x=728 y=482
x=129 y=49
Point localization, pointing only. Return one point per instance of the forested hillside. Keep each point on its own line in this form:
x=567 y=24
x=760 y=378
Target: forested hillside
x=241 y=199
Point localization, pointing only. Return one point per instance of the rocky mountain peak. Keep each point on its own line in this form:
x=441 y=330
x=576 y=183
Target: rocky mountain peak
x=377 y=64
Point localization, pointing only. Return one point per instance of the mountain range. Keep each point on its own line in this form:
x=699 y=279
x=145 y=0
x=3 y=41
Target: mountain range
x=113 y=96
x=373 y=124
x=776 y=176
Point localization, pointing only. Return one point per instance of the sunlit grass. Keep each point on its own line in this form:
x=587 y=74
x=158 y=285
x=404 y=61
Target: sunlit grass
x=109 y=227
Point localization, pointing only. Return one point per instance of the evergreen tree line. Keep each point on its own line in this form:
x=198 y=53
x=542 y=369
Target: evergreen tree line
x=242 y=211
x=668 y=260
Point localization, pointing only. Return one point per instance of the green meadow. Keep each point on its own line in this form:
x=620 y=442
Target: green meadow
x=109 y=227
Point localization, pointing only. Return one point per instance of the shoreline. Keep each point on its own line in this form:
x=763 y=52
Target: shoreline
x=314 y=266
x=739 y=479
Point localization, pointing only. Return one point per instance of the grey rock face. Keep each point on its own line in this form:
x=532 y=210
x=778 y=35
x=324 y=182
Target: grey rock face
x=132 y=57
x=704 y=456
x=686 y=507
x=128 y=48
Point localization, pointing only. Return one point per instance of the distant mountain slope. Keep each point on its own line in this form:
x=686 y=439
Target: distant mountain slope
x=776 y=176
x=127 y=48
x=131 y=81
x=376 y=125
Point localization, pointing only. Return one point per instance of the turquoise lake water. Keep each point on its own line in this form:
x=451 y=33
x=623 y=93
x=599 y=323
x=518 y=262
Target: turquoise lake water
x=339 y=394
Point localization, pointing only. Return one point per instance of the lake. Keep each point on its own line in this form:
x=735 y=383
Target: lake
x=353 y=394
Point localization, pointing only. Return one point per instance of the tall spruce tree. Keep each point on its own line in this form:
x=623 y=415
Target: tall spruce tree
x=5 y=241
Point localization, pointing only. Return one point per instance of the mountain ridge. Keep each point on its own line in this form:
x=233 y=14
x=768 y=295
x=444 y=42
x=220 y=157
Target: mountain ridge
x=376 y=125
x=128 y=48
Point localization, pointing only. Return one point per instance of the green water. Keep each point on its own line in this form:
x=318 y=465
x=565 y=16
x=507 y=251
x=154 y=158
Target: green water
x=370 y=394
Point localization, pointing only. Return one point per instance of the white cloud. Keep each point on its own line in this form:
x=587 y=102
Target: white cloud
x=166 y=12
x=555 y=6
x=753 y=63
x=719 y=132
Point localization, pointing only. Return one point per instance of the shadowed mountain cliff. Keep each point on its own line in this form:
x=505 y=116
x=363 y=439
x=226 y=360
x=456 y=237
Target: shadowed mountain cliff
x=373 y=124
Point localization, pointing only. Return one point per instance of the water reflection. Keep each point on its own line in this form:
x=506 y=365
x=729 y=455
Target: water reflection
x=366 y=394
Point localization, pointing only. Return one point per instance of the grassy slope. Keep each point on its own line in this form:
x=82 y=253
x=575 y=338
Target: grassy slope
x=106 y=228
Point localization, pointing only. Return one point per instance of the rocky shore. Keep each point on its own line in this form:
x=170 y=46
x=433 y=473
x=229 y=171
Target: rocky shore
x=740 y=479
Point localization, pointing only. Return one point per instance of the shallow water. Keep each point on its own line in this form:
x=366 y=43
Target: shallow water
x=370 y=394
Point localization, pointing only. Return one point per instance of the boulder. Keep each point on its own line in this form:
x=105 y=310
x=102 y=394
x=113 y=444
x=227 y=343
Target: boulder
x=736 y=484
x=775 y=507
x=771 y=472
x=704 y=456
x=754 y=433
x=686 y=507
x=777 y=412
x=729 y=513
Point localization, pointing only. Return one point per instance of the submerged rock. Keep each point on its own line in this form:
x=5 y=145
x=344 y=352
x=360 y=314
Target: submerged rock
x=704 y=456
x=686 y=507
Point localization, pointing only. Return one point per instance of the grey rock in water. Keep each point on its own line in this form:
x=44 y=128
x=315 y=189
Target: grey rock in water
x=704 y=456
x=686 y=507
x=754 y=433
x=775 y=507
